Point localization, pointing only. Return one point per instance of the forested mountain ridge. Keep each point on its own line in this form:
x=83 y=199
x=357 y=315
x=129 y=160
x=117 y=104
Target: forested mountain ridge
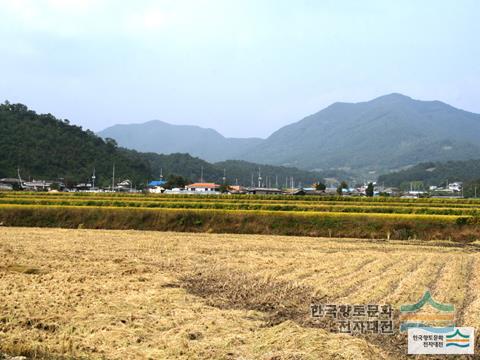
x=435 y=173
x=386 y=133
x=44 y=147
x=380 y=135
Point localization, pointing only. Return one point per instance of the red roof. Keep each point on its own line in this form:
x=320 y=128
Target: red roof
x=203 y=185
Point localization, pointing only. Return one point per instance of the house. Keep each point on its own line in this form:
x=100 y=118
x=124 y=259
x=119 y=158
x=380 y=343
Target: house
x=156 y=186
x=156 y=189
x=11 y=181
x=263 y=191
x=391 y=191
x=155 y=183
x=176 y=191
x=43 y=185
x=455 y=186
x=5 y=187
x=83 y=187
x=313 y=191
x=237 y=189
x=331 y=191
x=10 y=184
x=124 y=186
x=204 y=188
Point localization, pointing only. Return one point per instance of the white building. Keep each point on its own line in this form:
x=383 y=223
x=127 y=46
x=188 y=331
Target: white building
x=205 y=188
x=156 y=189
x=455 y=186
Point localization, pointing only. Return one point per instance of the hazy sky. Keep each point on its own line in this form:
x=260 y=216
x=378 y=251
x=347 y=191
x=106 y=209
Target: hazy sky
x=244 y=68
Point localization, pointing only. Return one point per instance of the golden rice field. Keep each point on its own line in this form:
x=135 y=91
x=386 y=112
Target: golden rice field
x=317 y=216
x=112 y=294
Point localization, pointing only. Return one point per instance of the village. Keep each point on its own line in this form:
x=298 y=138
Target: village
x=333 y=187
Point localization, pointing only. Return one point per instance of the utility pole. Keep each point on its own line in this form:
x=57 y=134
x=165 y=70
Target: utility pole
x=224 y=177
x=19 y=178
x=259 y=178
x=113 y=178
x=475 y=191
x=201 y=175
x=93 y=179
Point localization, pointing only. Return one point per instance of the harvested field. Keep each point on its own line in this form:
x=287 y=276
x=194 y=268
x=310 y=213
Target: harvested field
x=109 y=294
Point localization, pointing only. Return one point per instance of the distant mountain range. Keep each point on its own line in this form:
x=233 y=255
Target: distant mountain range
x=377 y=136
x=163 y=138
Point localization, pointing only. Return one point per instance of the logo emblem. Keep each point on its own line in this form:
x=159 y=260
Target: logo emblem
x=458 y=339
x=431 y=341
x=427 y=313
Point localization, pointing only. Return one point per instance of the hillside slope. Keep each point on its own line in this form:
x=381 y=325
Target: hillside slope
x=435 y=173
x=385 y=133
x=48 y=148
x=45 y=147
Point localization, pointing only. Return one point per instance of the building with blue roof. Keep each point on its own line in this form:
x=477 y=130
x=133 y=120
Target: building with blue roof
x=157 y=183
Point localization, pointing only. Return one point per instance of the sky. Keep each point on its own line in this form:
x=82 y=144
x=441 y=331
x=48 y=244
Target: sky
x=244 y=68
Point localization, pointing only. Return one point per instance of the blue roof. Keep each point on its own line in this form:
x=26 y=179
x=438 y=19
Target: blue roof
x=157 y=183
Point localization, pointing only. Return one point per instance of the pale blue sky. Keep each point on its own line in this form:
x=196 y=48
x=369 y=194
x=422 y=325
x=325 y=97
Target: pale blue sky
x=242 y=67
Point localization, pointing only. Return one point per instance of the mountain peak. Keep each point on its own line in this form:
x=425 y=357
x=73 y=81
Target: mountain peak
x=393 y=97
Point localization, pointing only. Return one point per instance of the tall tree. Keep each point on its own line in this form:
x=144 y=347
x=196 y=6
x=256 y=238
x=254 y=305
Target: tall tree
x=370 y=190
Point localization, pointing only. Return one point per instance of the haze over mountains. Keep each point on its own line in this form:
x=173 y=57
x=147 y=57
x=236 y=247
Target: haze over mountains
x=161 y=137
x=389 y=132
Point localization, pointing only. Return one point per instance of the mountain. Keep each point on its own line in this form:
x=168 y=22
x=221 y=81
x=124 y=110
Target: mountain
x=48 y=148
x=385 y=133
x=434 y=173
x=235 y=170
x=163 y=138
x=44 y=147
x=377 y=136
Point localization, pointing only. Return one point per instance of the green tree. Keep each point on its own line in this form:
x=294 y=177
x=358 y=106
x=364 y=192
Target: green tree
x=320 y=186
x=370 y=190
x=176 y=181
x=55 y=186
x=343 y=185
